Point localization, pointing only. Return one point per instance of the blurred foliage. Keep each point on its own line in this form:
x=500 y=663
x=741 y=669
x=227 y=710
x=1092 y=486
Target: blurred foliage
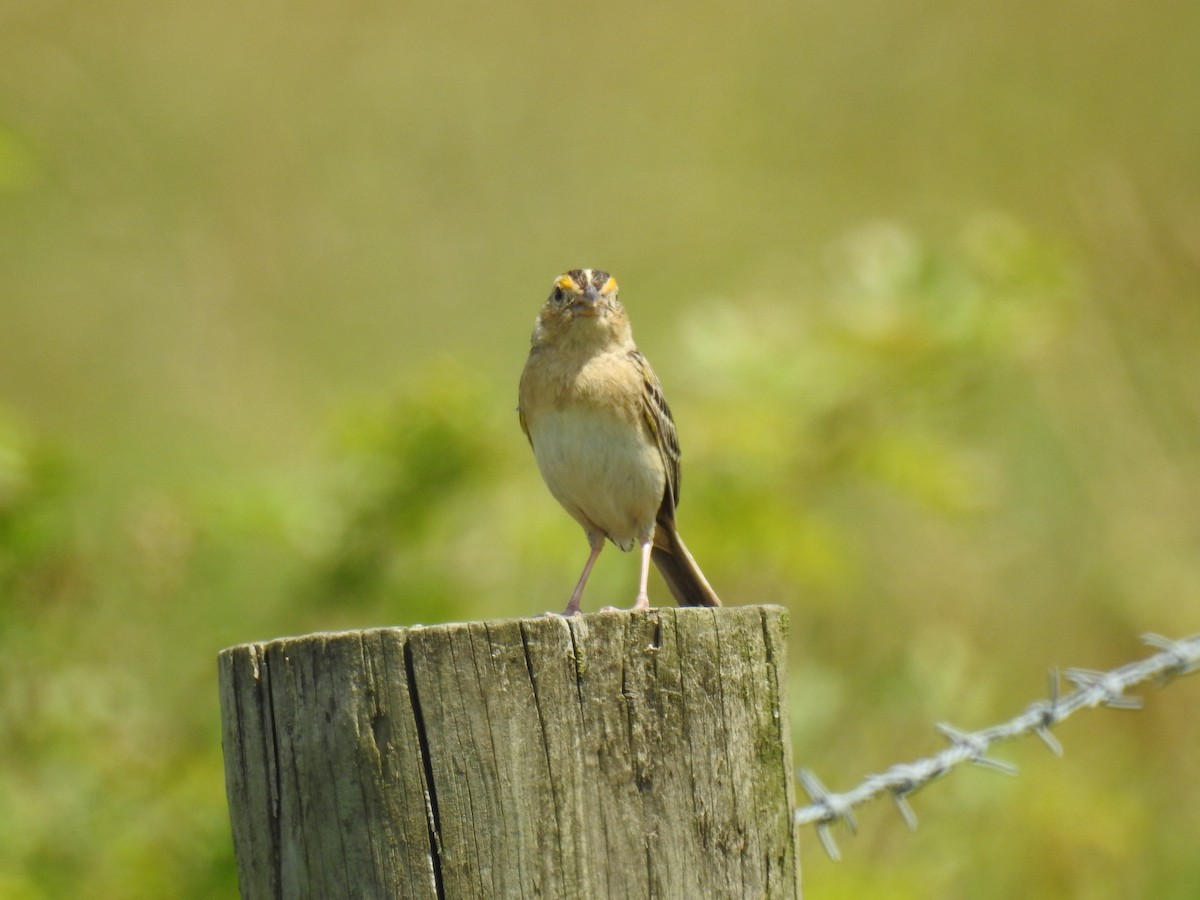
x=921 y=285
x=880 y=451
x=403 y=468
x=35 y=523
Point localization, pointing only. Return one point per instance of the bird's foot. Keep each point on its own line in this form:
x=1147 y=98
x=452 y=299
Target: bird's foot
x=641 y=603
x=571 y=610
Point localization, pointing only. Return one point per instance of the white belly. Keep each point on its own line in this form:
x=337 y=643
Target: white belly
x=604 y=471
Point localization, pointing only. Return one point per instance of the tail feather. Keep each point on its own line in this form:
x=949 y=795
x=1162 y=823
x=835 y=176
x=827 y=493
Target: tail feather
x=679 y=569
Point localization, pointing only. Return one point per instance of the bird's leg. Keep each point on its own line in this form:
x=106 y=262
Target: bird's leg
x=597 y=542
x=643 y=598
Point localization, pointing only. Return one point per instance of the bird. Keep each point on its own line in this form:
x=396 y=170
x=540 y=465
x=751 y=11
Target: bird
x=603 y=436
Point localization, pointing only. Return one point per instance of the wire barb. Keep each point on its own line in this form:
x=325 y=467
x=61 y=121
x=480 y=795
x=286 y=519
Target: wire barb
x=1047 y=714
x=1091 y=689
x=819 y=795
x=1185 y=659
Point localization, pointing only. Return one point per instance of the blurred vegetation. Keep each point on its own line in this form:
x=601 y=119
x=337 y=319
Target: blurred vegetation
x=922 y=285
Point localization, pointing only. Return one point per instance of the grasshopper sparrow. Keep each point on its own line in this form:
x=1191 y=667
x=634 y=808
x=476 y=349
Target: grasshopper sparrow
x=603 y=436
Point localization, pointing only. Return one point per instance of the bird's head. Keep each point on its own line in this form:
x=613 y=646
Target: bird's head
x=583 y=305
x=583 y=292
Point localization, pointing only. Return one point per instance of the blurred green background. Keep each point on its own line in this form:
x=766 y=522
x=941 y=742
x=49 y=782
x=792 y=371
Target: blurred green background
x=922 y=282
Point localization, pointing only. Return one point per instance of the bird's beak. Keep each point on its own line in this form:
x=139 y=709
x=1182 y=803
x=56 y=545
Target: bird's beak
x=588 y=302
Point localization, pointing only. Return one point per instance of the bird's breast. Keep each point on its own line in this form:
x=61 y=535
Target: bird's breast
x=603 y=468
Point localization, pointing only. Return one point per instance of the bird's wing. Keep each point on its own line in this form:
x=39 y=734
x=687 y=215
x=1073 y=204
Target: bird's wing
x=524 y=426
x=658 y=419
x=521 y=405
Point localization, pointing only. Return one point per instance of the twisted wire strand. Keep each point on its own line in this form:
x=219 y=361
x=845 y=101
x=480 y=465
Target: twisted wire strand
x=1091 y=689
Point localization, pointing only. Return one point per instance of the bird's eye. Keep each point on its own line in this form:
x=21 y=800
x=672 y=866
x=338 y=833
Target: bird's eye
x=558 y=294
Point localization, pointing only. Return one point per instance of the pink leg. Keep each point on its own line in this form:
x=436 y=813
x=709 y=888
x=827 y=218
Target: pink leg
x=643 y=598
x=597 y=542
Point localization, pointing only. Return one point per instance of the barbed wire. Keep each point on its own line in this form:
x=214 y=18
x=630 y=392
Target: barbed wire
x=1091 y=689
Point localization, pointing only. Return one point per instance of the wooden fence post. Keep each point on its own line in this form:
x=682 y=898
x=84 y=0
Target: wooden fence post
x=615 y=754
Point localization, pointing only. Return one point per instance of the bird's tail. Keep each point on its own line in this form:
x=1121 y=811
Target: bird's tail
x=679 y=569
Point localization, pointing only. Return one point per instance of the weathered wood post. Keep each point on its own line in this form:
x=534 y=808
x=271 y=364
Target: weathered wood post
x=615 y=754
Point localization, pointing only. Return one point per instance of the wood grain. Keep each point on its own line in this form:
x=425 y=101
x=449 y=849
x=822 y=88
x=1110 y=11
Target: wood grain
x=614 y=754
